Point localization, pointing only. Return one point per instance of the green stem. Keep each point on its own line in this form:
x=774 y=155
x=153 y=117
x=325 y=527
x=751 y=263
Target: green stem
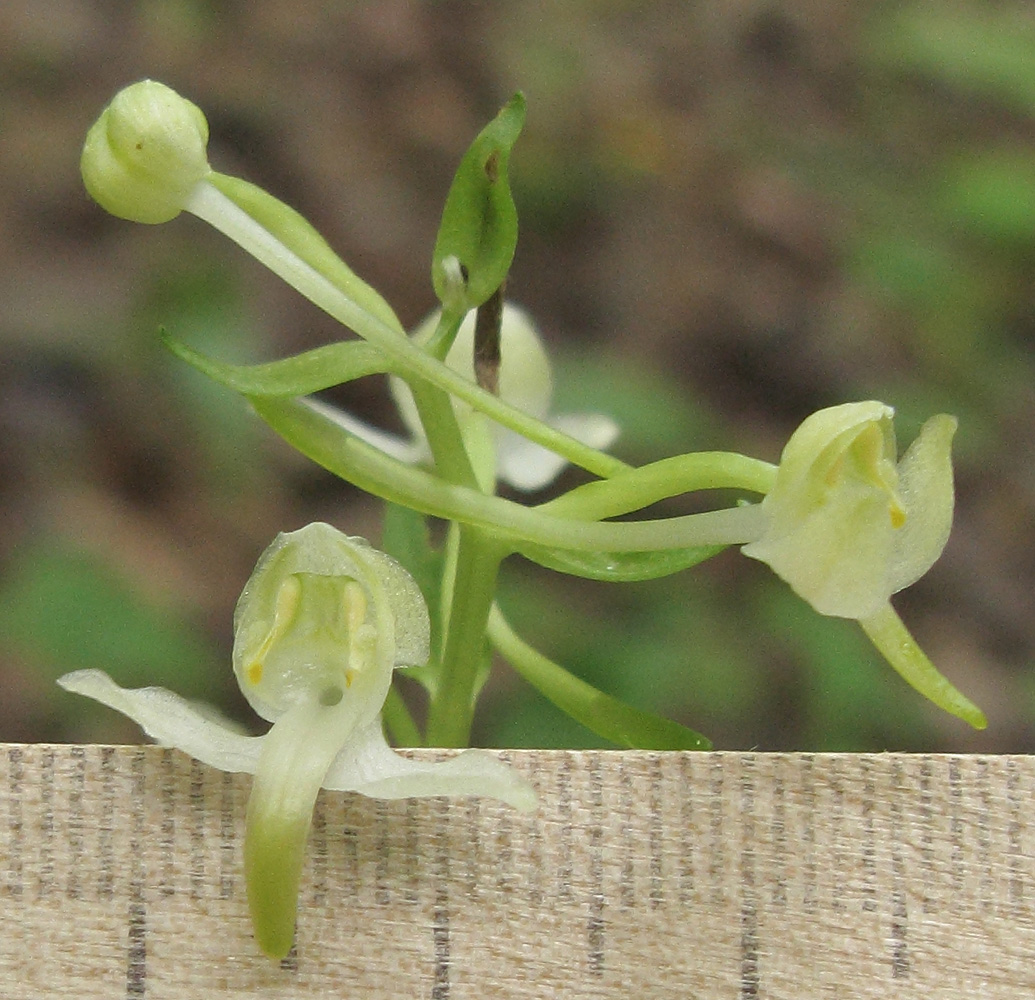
x=400 y=724
x=474 y=586
x=357 y=462
x=639 y=488
x=443 y=433
x=214 y=207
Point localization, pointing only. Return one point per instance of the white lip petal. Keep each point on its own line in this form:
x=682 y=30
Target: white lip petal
x=594 y=429
x=528 y=466
x=368 y=765
x=170 y=721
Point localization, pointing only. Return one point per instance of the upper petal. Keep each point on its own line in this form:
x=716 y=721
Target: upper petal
x=926 y=487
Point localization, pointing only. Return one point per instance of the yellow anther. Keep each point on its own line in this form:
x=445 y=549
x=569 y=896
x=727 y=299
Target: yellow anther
x=255 y=672
x=897 y=514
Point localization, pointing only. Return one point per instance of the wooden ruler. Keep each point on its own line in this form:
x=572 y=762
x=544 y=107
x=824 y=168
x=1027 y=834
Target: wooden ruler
x=722 y=876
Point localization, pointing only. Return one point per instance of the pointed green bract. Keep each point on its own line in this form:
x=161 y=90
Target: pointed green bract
x=624 y=725
x=298 y=375
x=479 y=222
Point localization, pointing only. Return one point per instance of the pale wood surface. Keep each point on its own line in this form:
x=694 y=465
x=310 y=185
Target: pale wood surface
x=711 y=876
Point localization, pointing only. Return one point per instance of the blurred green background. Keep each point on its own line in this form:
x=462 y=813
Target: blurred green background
x=733 y=213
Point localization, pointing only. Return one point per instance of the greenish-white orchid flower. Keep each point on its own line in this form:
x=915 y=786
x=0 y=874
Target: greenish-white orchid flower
x=847 y=524
x=320 y=626
x=525 y=382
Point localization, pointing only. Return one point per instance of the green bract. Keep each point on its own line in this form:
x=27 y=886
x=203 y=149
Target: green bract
x=321 y=624
x=478 y=232
x=146 y=153
x=846 y=524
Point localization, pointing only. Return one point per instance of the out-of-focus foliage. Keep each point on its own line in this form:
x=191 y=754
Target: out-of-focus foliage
x=730 y=215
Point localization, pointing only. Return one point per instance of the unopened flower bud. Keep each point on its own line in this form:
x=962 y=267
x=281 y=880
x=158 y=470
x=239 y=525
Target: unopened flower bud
x=146 y=153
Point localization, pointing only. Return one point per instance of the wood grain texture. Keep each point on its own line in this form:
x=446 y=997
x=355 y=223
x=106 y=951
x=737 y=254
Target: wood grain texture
x=655 y=875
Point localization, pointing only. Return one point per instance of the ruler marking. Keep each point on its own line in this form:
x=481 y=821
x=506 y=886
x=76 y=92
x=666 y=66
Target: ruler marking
x=106 y=827
x=687 y=840
x=565 y=862
x=198 y=813
x=717 y=853
x=318 y=840
x=595 y=922
x=778 y=838
x=441 y=987
x=412 y=872
x=750 y=971
x=381 y=891
x=1015 y=885
x=227 y=836
x=956 y=824
x=900 y=963
x=626 y=872
x=535 y=866
x=808 y=831
x=289 y=963
x=167 y=828
x=46 y=828
x=504 y=852
x=136 y=950
x=927 y=860
x=15 y=822
x=869 y=841
x=655 y=839
x=984 y=834
x=74 y=837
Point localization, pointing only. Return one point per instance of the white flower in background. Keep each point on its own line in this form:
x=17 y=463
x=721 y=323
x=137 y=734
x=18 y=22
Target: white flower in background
x=321 y=624
x=525 y=381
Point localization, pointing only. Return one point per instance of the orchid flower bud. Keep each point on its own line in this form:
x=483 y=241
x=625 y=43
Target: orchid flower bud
x=321 y=624
x=846 y=524
x=146 y=153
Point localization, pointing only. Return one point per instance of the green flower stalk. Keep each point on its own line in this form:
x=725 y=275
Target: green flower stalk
x=320 y=627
